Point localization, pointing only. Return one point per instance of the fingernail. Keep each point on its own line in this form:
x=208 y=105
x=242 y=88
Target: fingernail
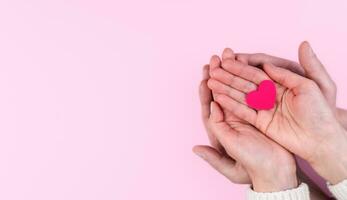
x=201 y=155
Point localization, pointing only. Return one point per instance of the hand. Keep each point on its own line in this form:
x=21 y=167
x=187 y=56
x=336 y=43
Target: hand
x=302 y=121
x=225 y=164
x=256 y=153
x=309 y=66
x=312 y=69
x=216 y=155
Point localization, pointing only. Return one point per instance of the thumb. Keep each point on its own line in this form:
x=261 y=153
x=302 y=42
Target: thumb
x=223 y=164
x=217 y=114
x=284 y=77
x=315 y=71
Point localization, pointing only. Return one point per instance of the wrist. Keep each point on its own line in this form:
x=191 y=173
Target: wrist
x=331 y=159
x=275 y=180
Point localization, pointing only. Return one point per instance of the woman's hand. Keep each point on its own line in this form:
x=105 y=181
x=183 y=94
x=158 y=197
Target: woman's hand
x=253 y=155
x=259 y=156
x=216 y=155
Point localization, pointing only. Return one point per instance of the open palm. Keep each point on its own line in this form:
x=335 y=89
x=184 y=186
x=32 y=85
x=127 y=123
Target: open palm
x=250 y=141
x=216 y=155
x=301 y=117
x=258 y=155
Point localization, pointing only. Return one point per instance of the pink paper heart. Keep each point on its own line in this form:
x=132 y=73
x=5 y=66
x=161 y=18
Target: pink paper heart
x=264 y=97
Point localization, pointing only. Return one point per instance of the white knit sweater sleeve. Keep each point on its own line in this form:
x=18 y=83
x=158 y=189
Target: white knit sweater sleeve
x=339 y=190
x=299 y=193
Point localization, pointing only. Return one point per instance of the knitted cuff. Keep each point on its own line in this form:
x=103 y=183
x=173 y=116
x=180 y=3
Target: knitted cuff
x=299 y=193
x=339 y=190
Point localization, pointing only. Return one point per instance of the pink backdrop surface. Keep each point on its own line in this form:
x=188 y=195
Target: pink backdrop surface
x=99 y=99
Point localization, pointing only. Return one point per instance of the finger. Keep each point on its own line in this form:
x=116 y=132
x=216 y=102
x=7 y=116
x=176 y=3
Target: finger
x=228 y=54
x=205 y=101
x=215 y=62
x=223 y=164
x=317 y=72
x=205 y=95
x=244 y=71
x=243 y=58
x=206 y=72
x=216 y=113
x=221 y=88
x=223 y=132
x=233 y=81
x=259 y=59
x=285 y=77
x=240 y=110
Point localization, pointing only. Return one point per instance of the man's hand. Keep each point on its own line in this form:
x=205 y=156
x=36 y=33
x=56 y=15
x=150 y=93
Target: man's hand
x=310 y=67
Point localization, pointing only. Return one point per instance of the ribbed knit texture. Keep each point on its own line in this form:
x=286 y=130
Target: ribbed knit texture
x=299 y=193
x=339 y=190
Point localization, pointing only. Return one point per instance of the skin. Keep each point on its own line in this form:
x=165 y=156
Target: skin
x=220 y=160
x=310 y=67
x=216 y=155
x=249 y=149
x=342 y=116
x=302 y=121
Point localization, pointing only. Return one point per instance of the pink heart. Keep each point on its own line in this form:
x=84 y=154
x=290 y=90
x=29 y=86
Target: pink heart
x=264 y=97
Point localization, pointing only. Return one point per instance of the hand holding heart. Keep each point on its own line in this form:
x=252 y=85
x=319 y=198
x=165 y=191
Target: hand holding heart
x=245 y=148
x=263 y=98
x=301 y=120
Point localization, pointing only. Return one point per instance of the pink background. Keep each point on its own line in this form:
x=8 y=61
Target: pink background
x=99 y=97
